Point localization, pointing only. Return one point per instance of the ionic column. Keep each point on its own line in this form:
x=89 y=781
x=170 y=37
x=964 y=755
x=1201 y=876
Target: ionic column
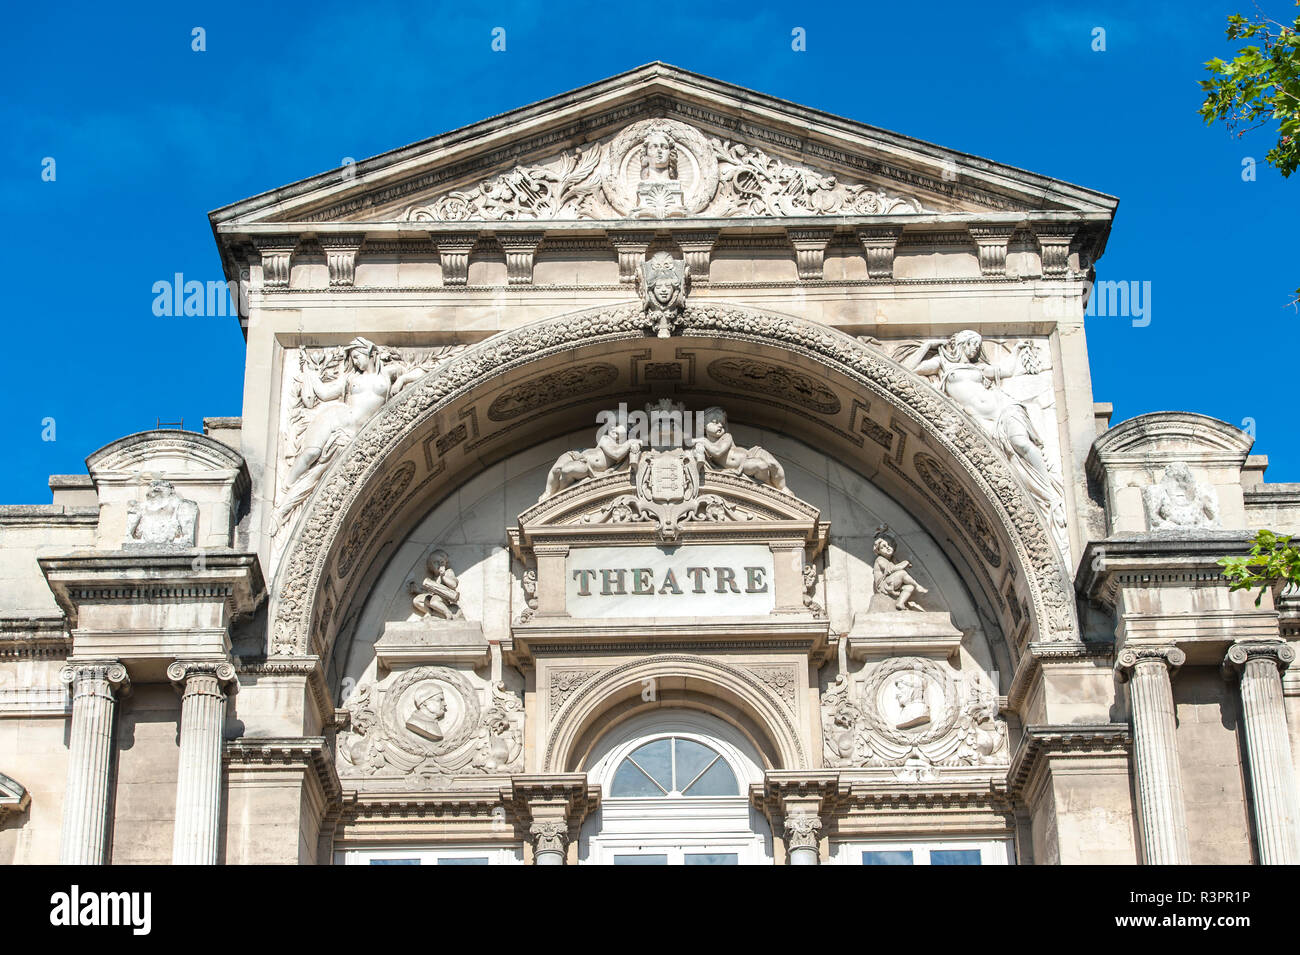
x=1155 y=747
x=90 y=760
x=550 y=840
x=802 y=833
x=1274 y=800
x=198 y=779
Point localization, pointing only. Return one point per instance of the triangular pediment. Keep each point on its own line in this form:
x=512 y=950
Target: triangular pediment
x=661 y=143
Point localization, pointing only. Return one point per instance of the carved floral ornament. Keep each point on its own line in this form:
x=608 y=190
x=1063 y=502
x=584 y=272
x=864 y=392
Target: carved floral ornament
x=660 y=169
x=297 y=624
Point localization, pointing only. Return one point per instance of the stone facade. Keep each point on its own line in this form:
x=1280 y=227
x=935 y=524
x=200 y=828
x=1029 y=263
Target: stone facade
x=661 y=465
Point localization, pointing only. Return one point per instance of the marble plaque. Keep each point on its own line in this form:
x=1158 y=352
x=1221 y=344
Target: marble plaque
x=691 y=580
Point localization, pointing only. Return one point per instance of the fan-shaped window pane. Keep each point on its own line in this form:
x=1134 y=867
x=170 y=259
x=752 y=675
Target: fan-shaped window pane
x=656 y=760
x=674 y=764
x=717 y=780
x=631 y=781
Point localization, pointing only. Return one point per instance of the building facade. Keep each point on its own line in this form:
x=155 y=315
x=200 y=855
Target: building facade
x=661 y=473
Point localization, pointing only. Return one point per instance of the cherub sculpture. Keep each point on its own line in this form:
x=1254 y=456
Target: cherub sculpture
x=719 y=450
x=613 y=450
x=891 y=578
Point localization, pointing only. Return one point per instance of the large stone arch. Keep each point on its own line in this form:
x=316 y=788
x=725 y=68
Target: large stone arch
x=770 y=370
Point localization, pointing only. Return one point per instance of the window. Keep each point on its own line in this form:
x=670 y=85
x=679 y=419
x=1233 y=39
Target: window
x=955 y=852
x=457 y=855
x=674 y=766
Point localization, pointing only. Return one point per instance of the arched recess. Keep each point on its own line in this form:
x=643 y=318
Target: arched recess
x=769 y=370
x=678 y=681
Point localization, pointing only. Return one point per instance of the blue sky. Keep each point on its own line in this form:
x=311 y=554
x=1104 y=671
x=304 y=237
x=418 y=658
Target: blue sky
x=148 y=136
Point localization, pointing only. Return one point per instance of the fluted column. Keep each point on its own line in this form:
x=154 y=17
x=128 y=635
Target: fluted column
x=1155 y=746
x=802 y=833
x=1274 y=801
x=550 y=840
x=198 y=781
x=90 y=760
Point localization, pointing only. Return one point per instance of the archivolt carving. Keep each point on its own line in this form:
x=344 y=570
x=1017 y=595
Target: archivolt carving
x=954 y=497
x=353 y=476
x=551 y=389
x=760 y=377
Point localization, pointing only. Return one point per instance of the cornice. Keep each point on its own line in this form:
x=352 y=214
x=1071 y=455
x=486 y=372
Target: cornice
x=310 y=753
x=1046 y=740
x=34 y=638
x=306 y=666
x=1097 y=653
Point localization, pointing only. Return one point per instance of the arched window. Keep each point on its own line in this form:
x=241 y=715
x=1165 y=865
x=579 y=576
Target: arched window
x=676 y=785
x=674 y=766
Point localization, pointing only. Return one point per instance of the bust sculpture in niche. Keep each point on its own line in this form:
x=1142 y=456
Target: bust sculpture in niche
x=1179 y=501
x=909 y=693
x=430 y=708
x=891 y=579
x=163 y=517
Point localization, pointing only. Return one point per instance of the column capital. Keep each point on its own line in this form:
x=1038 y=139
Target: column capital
x=180 y=672
x=1131 y=657
x=1277 y=652
x=111 y=672
x=803 y=831
x=550 y=835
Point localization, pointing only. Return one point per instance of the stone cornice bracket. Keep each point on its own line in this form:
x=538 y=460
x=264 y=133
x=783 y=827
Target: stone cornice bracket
x=1066 y=740
x=1277 y=652
x=277 y=256
x=795 y=803
x=95 y=677
x=810 y=251
x=553 y=807
x=879 y=244
x=520 y=249
x=991 y=242
x=1130 y=658
x=697 y=249
x=453 y=252
x=631 y=248
x=1054 y=240
x=341 y=252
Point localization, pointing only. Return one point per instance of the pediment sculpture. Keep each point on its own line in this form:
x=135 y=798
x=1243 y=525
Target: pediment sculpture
x=660 y=169
x=915 y=716
x=163 y=518
x=1180 y=502
x=423 y=726
x=667 y=460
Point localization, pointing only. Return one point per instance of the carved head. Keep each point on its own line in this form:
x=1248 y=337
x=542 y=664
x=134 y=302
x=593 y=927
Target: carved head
x=430 y=699
x=438 y=562
x=715 y=422
x=965 y=345
x=1180 y=475
x=886 y=543
x=160 y=489
x=659 y=154
x=361 y=353
x=664 y=282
